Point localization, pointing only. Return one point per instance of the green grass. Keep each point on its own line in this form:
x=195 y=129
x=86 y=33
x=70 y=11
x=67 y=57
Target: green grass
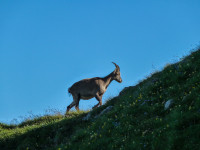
x=137 y=120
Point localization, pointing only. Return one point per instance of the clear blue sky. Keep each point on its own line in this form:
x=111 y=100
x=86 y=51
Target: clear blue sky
x=46 y=46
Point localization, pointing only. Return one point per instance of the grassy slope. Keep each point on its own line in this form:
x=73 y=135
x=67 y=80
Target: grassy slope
x=138 y=119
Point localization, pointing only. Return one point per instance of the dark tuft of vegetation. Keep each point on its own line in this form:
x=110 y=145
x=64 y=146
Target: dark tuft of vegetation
x=161 y=112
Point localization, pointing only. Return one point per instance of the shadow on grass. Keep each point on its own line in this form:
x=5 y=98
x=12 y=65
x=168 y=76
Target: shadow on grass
x=48 y=135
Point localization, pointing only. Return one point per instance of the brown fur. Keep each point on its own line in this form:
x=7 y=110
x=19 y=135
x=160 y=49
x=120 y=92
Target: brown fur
x=92 y=87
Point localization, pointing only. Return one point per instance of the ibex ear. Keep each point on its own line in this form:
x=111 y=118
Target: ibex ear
x=117 y=67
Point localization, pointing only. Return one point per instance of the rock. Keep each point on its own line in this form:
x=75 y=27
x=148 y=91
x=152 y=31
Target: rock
x=116 y=124
x=106 y=110
x=185 y=98
x=87 y=117
x=125 y=89
x=168 y=103
x=145 y=102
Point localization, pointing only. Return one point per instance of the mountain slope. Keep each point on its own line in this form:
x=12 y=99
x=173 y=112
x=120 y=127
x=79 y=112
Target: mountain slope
x=161 y=112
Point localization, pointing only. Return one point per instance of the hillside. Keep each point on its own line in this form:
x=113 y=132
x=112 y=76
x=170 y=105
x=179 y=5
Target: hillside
x=161 y=112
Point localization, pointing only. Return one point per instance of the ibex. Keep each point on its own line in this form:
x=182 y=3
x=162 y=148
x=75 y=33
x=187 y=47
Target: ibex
x=92 y=87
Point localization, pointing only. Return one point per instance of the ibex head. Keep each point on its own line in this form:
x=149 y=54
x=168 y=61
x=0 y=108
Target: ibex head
x=116 y=73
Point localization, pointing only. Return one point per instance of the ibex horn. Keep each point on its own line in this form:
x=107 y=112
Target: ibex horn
x=116 y=65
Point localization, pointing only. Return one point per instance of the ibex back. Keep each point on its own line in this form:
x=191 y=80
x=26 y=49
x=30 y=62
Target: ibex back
x=92 y=87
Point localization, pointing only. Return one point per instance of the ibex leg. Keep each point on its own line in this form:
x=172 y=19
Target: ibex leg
x=99 y=98
x=70 y=106
x=75 y=100
x=77 y=103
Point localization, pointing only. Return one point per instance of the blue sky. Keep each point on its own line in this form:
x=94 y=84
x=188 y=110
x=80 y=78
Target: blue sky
x=46 y=46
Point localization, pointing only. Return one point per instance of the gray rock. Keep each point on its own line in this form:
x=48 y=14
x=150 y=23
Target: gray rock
x=87 y=117
x=116 y=124
x=106 y=110
x=125 y=89
x=185 y=98
x=168 y=104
